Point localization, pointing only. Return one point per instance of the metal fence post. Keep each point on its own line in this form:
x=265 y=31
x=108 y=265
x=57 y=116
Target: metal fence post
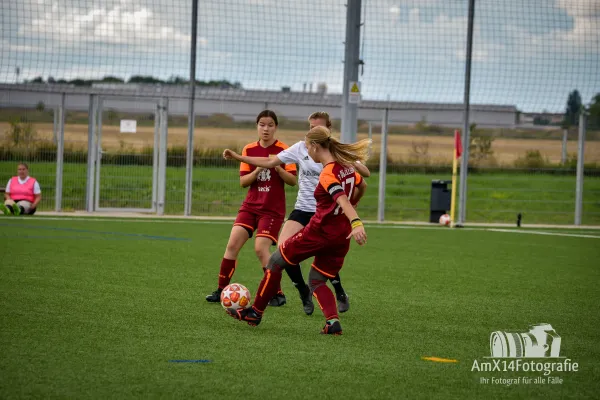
x=99 y=151
x=189 y=162
x=382 y=167
x=91 y=154
x=56 y=117
x=563 y=158
x=464 y=164
x=162 y=156
x=60 y=150
x=580 y=163
x=351 y=63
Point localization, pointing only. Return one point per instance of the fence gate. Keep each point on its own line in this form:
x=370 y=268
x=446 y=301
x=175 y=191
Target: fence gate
x=128 y=136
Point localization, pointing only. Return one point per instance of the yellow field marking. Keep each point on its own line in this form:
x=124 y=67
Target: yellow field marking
x=438 y=359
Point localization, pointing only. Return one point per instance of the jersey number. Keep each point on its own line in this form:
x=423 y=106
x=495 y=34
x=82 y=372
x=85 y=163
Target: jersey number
x=349 y=181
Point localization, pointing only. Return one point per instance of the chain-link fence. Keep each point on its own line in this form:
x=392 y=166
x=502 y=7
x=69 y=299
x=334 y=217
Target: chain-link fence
x=534 y=66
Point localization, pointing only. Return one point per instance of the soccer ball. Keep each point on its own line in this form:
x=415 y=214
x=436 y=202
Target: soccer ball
x=445 y=220
x=235 y=296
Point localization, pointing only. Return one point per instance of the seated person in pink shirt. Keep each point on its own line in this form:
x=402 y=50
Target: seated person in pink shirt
x=22 y=193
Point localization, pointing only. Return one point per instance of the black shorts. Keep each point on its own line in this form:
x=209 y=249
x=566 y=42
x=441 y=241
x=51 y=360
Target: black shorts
x=302 y=217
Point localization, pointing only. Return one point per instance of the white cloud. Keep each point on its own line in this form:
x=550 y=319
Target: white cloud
x=114 y=25
x=586 y=24
x=580 y=8
x=582 y=38
x=6 y=46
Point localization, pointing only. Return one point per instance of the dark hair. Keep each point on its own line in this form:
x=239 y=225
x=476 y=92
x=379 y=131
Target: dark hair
x=267 y=113
x=23 y=164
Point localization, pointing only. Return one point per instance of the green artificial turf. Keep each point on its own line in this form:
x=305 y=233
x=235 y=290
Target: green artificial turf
x=98 y=308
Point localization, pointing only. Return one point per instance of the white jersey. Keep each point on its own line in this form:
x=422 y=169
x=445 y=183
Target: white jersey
x=308 y=175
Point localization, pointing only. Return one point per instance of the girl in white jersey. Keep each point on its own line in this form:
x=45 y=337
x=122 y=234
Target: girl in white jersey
x=305 y=207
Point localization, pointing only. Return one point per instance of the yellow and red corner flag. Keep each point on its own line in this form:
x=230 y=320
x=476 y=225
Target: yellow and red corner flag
x=457 y=153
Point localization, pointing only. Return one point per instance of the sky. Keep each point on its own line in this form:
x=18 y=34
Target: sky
x=527 y=53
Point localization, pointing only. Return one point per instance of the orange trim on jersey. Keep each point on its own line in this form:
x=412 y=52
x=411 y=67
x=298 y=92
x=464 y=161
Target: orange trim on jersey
x=265 y=235
x=244 y=225
x=327 y=177
x=250 y=146
x=324 y=273
x=243 y=166
x=284 y=257
x=290 y=168
x=359 y=178
x=281 y=145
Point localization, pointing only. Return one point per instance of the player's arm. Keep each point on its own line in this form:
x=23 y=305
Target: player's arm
x=37 y=192
x=249 y=178
x=288 y=172
x=358 y=229
x=362 y=169
x=333 y=186
x=264 y=162
x=288 y=177
x=359 y=192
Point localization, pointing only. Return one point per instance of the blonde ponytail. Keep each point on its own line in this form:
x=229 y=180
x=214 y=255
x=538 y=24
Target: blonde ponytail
x=346 y=154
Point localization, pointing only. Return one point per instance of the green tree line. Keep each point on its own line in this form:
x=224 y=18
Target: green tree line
x=146 y=79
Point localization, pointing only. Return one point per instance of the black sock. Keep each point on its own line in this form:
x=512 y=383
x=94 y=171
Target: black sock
x=295 y=274
x=337 y=284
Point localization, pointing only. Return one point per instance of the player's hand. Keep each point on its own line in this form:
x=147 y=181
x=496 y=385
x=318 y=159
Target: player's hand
x=359 y=235
x=278 y=169
x=229 y=154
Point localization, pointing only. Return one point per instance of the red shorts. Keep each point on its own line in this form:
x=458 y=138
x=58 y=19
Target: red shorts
x=265 y=225
x=329 y=252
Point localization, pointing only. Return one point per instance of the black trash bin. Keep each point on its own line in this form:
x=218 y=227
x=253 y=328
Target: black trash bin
x=440 y=199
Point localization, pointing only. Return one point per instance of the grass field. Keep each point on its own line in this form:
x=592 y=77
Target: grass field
x=400 y=146
x=98 y=309
x=491 y=197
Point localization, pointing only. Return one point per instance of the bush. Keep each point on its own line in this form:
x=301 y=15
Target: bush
x=532 y=159
x=21 y=133
x=419 y=153
x=480 y=147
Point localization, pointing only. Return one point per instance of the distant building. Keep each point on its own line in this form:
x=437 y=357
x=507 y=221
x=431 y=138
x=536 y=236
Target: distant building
x=244 y=104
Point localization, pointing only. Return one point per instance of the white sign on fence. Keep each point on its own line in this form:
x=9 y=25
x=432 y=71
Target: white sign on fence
x=354 y=93
x=128 y=126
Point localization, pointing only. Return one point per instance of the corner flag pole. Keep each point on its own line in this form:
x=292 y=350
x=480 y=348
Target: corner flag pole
x=457 y=153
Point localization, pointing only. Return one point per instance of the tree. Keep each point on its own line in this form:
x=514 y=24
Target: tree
x=144 y=79
x=594 y=112
x=573 y=108
x=112 y=79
